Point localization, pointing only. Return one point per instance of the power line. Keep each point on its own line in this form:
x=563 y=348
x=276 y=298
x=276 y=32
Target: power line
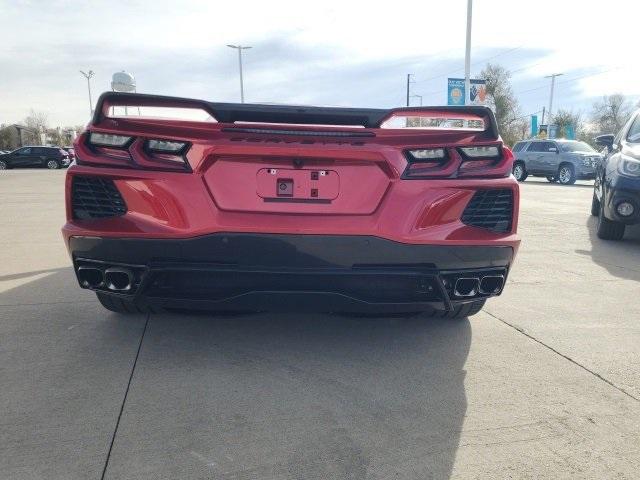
x=569 y=80
x=474 y=63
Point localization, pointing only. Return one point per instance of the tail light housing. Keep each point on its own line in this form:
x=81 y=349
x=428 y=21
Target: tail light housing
x=493 y=160
x=106 y=149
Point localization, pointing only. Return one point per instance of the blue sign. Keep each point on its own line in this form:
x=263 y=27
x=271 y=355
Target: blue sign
x=534 y=125
x=570 y=132
x=455 y=91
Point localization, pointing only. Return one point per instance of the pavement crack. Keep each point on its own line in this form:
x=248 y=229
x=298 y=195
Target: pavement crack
x=124 y=399
x=566 y=357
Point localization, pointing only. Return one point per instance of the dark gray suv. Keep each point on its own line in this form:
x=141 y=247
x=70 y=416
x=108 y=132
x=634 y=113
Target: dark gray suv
x=562 y=161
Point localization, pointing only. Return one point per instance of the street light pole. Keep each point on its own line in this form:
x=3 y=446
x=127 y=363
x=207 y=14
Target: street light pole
x=553 y=83
x=240 y=48
x=88 y=77
x=467 y=55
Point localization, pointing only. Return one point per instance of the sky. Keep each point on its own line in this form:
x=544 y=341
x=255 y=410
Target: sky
x=344 y=53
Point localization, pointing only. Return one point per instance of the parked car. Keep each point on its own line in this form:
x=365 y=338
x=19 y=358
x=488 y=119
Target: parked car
x=288 y=207
x=36 y=156
x=71 y=152
x=564 y=161
x=616 y=191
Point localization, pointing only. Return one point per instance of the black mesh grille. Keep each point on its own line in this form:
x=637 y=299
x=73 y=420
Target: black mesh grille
x=96 y=197
x=490 y=209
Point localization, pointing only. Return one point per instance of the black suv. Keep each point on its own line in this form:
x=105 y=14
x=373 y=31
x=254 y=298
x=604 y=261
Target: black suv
x=46 y=157
x=616 y=191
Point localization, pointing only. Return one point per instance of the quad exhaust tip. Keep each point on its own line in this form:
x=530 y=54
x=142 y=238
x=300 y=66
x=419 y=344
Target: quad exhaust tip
x=118 y=279
x=466 y=287
x=491 y=284
x=90 y=277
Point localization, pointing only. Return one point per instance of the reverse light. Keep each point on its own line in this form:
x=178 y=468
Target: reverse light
x=108 y=140
x=428 y=154
x=167 y=146
x=481 y=152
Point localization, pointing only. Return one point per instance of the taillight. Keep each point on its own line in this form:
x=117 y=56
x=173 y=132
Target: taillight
x=133 y=152
x=453 y=162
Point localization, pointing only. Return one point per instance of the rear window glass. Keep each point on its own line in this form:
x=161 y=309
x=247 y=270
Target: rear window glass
x=519 y=146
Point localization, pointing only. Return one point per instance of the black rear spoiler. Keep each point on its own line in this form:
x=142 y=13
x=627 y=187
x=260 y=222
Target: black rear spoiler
x=293 y=114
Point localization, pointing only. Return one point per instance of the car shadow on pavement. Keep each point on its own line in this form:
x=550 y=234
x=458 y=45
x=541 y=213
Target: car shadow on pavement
x=256 y=396
x=620 y=258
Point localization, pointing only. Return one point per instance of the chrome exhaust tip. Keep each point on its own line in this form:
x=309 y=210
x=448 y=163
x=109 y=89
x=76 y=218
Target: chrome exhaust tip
x=491 y=284
x=90 y=277
x=466 y=287
x=118 y=279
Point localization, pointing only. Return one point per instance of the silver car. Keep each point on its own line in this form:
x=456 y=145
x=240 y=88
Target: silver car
x=562 y=161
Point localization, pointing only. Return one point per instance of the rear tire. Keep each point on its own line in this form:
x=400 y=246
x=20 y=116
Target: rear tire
x=608 y=229
x=123 y=305
x=566 y=174
x=459 y=311
x=3 y=165
x=520 y=171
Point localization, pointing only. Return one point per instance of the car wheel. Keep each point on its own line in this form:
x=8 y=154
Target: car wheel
x=551 y=178
x=566 y=174
x=459 y=311
x=123 y=305
x=595 y=205
x=3 y=165
x=53 y=164
x=609 y=229
x=520 y=172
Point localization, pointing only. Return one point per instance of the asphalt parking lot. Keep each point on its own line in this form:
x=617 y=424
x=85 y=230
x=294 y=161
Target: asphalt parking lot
x=544 y=383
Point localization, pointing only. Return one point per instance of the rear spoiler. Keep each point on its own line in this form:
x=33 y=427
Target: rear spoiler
x=292 y=114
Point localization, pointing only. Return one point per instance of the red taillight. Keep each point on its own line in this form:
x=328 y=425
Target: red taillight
x=463 y=161
x=132 y=152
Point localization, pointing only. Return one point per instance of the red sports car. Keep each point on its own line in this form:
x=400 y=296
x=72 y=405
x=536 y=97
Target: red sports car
x=270 y=207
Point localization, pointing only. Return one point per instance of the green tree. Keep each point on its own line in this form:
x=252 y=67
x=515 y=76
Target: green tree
x=565 y=118
x=502 y=101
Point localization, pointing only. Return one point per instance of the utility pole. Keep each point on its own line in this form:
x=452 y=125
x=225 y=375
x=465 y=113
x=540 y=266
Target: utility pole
x=409 y=82
x=553 y=83
x=543 y=112
x=88 y=76
x=240 y=48
x=467 y=55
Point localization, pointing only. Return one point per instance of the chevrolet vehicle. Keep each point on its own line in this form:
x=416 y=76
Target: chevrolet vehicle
x=616 y=191
x=564 y=161
x=37 y=156
x=269 y=207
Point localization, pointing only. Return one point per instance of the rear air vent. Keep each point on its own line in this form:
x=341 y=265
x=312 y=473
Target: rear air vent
x=490 y=209
x=96 y=197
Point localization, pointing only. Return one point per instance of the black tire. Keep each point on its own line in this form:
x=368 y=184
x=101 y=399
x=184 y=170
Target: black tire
x=608 y=229
x=4 y=165
x=566 y=174
x=551 y=179
x=52 y=164
x=459 y=311
x=520 y=171
x=123 y=305
x=595 y=205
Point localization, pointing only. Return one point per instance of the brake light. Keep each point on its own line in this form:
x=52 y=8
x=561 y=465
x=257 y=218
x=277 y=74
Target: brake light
x=132 y=152
x=454 y=162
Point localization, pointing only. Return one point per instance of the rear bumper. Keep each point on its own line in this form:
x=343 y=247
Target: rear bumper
x=241 y=271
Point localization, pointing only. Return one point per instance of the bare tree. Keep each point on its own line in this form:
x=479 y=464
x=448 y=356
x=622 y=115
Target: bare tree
x=610 y=114
x=37 y=120
x=501 y=99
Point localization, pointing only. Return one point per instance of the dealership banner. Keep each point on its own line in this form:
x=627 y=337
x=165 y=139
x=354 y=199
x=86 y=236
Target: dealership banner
x=456 y=91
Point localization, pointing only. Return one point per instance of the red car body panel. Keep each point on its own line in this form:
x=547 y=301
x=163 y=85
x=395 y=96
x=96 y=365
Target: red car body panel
x=339 y=180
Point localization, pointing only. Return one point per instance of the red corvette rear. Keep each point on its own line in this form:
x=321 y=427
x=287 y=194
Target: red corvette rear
x=264 y=207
